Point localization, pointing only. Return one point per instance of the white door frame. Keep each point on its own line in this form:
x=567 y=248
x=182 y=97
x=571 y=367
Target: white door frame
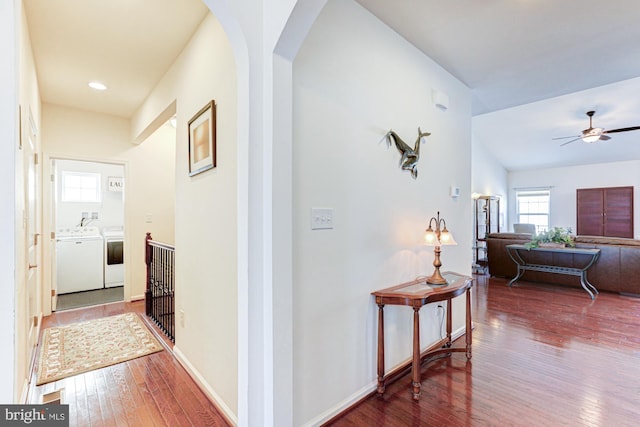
x=48 y=225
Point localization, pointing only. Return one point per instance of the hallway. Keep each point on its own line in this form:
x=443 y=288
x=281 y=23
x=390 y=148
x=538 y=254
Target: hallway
x=152 y=390
x=542 y=355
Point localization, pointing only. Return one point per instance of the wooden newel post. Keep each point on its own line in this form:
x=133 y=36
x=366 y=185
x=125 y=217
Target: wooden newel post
x=147 y=293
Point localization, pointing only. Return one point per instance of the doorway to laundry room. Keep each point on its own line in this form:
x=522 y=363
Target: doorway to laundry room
x=88 y=219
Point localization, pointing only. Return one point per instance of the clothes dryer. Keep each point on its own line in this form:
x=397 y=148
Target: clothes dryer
x=113 y=256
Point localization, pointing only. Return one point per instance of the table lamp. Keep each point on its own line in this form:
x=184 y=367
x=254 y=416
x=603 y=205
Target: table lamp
x=438 y=237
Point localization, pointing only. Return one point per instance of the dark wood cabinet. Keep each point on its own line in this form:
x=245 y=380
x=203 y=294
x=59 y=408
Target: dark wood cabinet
x=605 y=211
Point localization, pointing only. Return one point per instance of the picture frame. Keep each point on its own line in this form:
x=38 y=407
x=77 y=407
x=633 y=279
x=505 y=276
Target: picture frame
x=202 y=139
x=115 y=184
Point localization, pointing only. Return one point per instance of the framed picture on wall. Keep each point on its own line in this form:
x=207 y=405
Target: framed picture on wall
x=202 y=140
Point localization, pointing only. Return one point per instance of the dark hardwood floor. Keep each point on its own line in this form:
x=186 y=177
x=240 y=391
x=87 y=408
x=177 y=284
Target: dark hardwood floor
x=542 y=356
x=153 y=390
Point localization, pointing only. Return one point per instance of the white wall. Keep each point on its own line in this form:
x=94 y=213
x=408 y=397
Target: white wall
x=565 y=181
x=206 y=213
x=155 y=177
x=489 y=177
x=84 y=135
x=354 y=79
x=110 y=209
x=9 y=135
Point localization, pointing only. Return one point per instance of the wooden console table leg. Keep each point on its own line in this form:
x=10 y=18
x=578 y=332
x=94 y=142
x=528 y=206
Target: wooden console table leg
x=381 y=386
x=416 y=354
x=449 y=322
x=469 y=329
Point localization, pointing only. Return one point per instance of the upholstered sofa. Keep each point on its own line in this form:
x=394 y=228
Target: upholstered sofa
x=616 y=270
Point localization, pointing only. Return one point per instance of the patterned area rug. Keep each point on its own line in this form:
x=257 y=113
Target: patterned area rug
x=85 y=346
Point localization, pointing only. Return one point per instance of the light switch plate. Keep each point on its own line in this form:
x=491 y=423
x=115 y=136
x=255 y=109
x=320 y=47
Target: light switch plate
x=321 y=218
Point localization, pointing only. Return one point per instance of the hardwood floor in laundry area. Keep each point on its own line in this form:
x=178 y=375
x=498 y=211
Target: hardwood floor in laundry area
x=542 y=356
x=152 y=390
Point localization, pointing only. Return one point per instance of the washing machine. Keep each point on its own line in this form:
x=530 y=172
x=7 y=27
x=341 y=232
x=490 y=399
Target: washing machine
x=113 y=256
x=79 y=255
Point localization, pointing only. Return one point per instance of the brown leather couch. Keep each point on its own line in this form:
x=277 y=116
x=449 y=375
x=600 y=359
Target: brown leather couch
x=616 y=270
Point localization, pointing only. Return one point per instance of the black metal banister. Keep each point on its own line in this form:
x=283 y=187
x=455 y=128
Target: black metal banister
x=159 y=295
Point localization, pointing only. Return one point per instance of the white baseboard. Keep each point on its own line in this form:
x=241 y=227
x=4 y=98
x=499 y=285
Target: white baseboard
x=136 y=298
x=316 y=421
x=206 y=388
x=335 y=410
x=362 y=393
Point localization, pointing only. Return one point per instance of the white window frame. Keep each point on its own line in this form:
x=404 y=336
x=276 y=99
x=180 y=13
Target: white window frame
x=88 y=187
x=534 y=192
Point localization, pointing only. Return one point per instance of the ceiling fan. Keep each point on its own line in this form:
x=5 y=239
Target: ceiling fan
x=592 y=134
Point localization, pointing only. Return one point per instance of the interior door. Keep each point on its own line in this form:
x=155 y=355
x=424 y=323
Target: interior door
x=33 y=235
x=53 y=239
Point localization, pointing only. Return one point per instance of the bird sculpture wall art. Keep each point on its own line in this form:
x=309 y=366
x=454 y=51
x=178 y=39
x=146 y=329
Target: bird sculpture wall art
x=409 y=156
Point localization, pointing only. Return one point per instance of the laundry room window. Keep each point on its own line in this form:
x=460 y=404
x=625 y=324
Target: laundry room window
x=80 y=187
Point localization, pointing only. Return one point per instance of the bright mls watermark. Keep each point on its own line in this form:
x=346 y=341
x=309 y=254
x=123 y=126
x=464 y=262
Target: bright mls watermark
x=34 y=415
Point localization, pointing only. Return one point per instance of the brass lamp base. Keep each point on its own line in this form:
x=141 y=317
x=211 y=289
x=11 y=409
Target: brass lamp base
x=436 y=278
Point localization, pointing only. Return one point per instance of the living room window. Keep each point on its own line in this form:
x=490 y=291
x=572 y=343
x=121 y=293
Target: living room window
x=532 y=207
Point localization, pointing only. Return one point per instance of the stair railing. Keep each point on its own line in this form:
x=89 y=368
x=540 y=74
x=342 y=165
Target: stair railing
x=159 y=295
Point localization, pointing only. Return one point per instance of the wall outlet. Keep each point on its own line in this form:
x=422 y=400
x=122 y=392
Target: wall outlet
x=148 y=218
x=182 y=318
x=321 y=218
x=94 y=215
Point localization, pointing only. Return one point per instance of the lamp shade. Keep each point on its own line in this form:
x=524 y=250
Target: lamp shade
x=431 y=238
x=446 y=238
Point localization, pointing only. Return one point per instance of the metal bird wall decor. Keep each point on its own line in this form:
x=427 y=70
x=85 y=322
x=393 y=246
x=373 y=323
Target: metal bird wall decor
x=409 y=156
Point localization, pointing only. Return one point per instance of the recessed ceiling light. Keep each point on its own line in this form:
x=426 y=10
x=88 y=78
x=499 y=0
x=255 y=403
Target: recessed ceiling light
x=97 y=86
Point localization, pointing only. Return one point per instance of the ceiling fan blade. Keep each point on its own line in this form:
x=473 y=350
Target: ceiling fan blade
x=569 y=142
x=622 y=129
x=592 y=134
x=565 y=137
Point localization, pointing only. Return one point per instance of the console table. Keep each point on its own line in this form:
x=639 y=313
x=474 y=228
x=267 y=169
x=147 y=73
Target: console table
x=515 y=253
x=416 y=294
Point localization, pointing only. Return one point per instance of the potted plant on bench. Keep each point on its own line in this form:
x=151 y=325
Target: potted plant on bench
x=556 y=237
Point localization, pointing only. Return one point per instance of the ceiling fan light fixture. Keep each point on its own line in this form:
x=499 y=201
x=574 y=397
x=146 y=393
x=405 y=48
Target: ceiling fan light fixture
x=592 y=135
x=591 y=138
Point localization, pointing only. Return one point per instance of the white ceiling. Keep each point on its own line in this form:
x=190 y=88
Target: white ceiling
x=516 y=52
x=126 y=44
x=517 y=56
